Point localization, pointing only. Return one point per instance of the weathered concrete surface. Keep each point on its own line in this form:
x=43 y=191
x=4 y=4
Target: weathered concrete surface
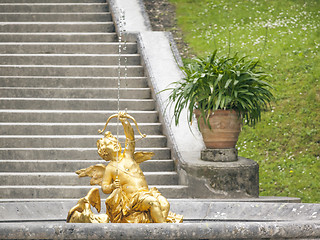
x=207 y=230
x=135 y=15
x=220 y=155
x=203 y=220
x=192 y=210
x=222 y=179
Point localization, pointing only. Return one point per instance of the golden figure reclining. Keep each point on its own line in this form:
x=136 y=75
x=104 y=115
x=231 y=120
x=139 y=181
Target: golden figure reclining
x=130 y=199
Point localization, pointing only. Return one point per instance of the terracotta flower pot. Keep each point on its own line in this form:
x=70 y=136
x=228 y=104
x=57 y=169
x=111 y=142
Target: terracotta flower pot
x=225 y=129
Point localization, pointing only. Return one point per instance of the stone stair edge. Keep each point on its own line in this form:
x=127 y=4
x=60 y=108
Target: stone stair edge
x=57 y=27
x=53 y=13
x=25 y=165
x=70 y=153
x=72 y=124
x=57 y=33
x=72 y=111
x=176 y=186
x=79 y=149
x=72 y=77
x=66 y=43
x=76 y=88
x=74 y=99
x=92 y=161
x=69 y=93
x=70 y=59
x=260 y=199
x=110 y=67
x=55 y=23
x=63 y=191
x=71 y=166
x=44 y=174
x=61 y=161
x=56 y=37
x=68 y=55
x=76 y=136
x=52 y=1
x=63 y=47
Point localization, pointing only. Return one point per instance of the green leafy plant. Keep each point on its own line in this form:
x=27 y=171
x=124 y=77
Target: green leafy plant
x=225 y=82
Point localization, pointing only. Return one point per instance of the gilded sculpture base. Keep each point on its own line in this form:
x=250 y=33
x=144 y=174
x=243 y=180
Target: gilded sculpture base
x=130 y=199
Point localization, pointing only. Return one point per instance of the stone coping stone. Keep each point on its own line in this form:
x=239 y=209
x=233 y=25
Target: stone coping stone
x=272 y=199
x=193 y=211
x=204 y=230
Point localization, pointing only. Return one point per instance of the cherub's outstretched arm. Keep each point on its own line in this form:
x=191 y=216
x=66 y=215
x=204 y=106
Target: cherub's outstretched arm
x=108 y=184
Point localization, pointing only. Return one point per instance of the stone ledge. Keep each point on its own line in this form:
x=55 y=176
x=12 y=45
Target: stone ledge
x=203 y=230
x=193 y=210
x=204 y=219
x=239 y=179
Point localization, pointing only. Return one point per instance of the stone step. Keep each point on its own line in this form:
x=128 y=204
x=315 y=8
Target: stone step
x=70 y=82
x=76 y=104
x=128 y=93
x=76 y=192
x=53 y=7
x=71 y=70
x=74 y=165
x=71 y=128
x=52 y=1
x=56 y=27
x=54 y=99
x=68 y=48
x=68 y=153
x=72 y=179
x=58 y=37
x=70 y=116
x=56 y=17
x=70 y=59
x=73 y=141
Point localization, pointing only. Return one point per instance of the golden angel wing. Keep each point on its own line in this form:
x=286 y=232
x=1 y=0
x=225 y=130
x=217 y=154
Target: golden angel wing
x=82 y=211
x=140 y=157
x=96 y=173
x=94 y=198
x=76 y=209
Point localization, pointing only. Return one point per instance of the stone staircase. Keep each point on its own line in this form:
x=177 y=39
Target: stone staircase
x=58 y=85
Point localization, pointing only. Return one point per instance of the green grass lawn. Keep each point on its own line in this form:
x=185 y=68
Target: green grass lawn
x=285 y=35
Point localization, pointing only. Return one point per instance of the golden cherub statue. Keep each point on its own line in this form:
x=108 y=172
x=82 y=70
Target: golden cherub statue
x=130 y=199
